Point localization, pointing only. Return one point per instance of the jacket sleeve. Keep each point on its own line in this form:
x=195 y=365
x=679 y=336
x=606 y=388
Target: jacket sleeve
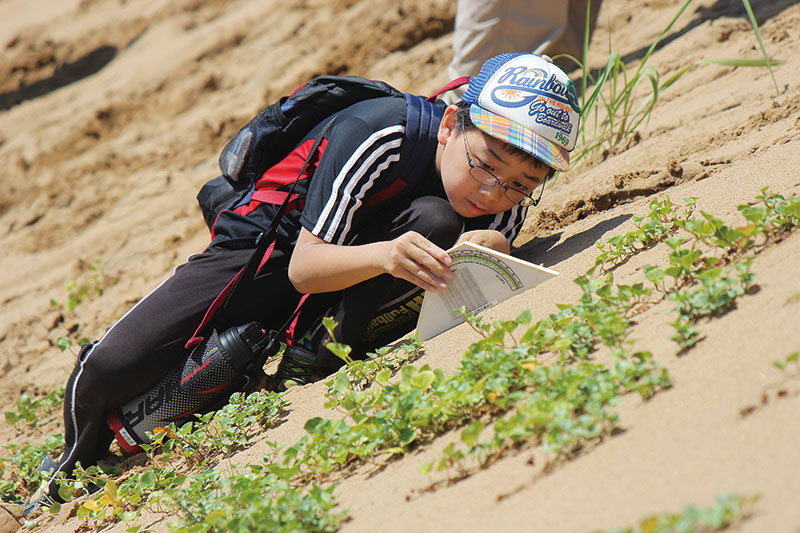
x=357 y=163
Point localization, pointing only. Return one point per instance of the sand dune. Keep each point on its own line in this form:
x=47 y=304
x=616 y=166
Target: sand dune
x=113 y=113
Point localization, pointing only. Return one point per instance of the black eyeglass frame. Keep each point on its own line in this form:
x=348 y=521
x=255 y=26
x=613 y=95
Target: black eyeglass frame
x=504 y=186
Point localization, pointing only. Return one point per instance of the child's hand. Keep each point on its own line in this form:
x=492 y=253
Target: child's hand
x=414 y=258
x=488 y=238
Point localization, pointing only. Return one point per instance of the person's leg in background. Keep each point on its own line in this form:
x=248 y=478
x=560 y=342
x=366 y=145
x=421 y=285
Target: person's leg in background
x=486 y=28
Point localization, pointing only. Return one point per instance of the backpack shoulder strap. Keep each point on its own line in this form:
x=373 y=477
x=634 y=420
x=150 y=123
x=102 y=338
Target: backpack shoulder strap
x=420 y=138
x=218 y=311
x=264 y=240
x=453 y=84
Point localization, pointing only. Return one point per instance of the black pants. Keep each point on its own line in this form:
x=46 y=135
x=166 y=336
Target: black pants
x=137 y=351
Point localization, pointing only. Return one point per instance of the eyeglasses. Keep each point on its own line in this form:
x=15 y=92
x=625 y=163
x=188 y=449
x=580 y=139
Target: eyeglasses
x=485 y=177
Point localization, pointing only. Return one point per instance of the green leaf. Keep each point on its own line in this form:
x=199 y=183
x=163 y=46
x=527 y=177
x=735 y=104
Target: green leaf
x=753 y=214
x=423 y=380
x=65 y=492
x=525 y=317
x=562 y=344
x=673 y=272
x=329 y=324
x=341 y=383
x=496 y=337
x=675 y=242
x=654 y=274
x=383 y=376
x=148 y=480
x=408 y=372
x=312 y=424
x=793 y=209
x=63 y=343
x=342 y=351
x=469 y=435
x=741 y=62
x=406 y=437
x=754 y=24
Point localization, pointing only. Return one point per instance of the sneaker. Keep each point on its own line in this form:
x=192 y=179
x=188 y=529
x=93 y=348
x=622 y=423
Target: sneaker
x=48 y=464
x=298 y=366
x=40 y=500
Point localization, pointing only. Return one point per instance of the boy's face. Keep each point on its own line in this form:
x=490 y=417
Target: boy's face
x=469 y=197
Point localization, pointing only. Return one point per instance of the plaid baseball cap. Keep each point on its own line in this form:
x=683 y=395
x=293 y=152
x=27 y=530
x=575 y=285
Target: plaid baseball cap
x=523 y=99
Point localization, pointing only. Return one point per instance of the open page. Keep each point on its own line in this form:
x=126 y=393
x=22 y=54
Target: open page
x=483 y=278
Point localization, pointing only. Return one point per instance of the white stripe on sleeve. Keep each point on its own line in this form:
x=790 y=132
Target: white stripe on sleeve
x=346 y=169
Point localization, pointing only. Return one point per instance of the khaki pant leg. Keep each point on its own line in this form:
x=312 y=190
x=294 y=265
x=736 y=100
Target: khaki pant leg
x=486 y=28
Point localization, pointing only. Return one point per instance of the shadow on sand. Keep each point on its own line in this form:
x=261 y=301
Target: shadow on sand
x=63 y=75
x=549 y=251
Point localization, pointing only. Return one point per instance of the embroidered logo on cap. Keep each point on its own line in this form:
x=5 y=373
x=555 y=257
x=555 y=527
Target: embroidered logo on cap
x=516 y=81
x=549 y=101
x=519 y=86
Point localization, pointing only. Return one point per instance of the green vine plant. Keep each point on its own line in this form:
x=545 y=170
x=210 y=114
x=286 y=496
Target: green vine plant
x=716 y=293
x=195 y=445
x=112 y=492
x=521 y=385
x=727 y=511
x=789 y=367
x=361 y=373
x=553 y=384
x=19 y=474
x=65 y=343
x=709 y=262
x=562 y=405
x=19 y=468
x=31 y=410
x=651 y=229
x=79 y=292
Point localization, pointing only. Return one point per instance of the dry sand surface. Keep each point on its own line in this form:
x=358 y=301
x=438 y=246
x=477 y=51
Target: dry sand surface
x=113 y=113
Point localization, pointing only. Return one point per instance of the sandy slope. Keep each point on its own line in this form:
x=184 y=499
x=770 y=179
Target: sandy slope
x=112 y=114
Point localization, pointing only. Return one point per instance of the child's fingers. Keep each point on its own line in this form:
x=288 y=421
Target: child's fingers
x=433 y=258
x=416 y=259
x=441 y=257
x=489 y=238
x=423 y=278
x=433 y=262
x=410 y=269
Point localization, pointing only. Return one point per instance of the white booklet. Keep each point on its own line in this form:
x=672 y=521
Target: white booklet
x=483 y=278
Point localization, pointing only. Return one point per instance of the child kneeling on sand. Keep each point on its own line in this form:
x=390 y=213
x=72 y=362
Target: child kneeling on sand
x=347 y=242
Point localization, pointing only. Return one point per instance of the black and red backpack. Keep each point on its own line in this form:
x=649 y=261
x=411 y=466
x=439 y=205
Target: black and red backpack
x=275 y=131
